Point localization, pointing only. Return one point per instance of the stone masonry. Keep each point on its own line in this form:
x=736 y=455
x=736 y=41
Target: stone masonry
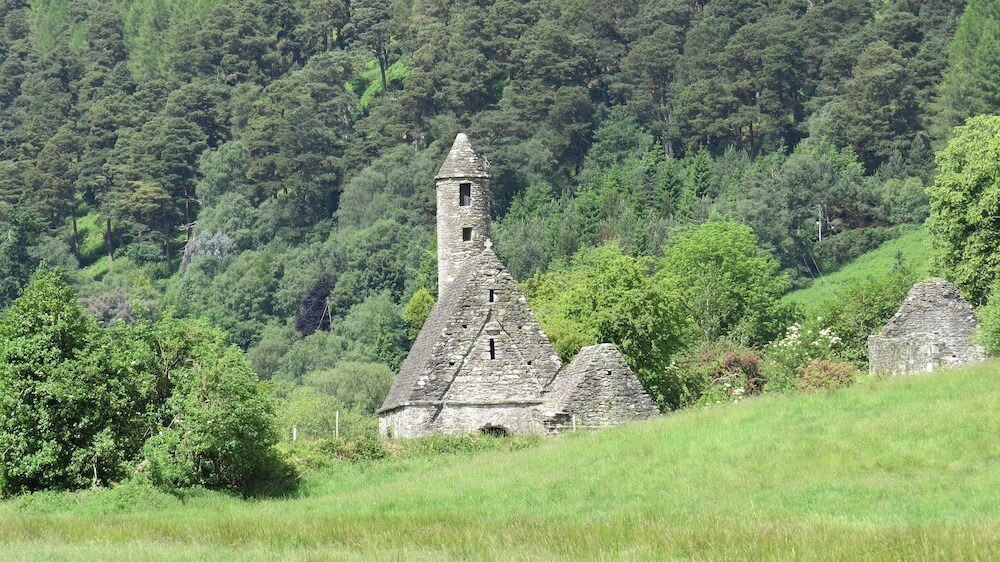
x=596 y=389
x=482 y=362
x=933 y=328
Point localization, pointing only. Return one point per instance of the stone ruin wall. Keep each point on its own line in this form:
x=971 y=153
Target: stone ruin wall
x=933 y=328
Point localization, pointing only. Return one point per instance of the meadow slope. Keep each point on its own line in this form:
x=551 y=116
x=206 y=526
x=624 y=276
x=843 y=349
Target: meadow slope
x=899 y=468
x=912 y=249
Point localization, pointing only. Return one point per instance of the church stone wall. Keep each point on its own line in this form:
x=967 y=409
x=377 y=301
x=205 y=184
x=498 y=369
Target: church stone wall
x=407 y=422
x=933 y=328
x=460 y=419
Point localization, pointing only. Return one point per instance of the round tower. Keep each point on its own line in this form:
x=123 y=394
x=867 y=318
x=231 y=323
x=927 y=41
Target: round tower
x=463 y=209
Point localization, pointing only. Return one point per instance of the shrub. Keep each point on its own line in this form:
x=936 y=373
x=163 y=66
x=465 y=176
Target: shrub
x=989 y=318
x=353 y=385
x=74 y=401
x=862 y=309
x=361 y=448
x=824 y=374
x=314 y=414
x=717 y=371
x=167 y=402
x=784 y=358
x=222 y=431
x=834 y=251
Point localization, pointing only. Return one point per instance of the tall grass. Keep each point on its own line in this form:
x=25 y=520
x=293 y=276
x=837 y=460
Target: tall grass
x=899 y=468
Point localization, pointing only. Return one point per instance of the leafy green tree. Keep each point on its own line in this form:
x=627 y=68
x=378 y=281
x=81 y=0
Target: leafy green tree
x=223 y=429
x=74 y=404
x=361 y=387
x=606 y=296
x=730 y=287
x=968 y=85
x=965 y=207
x=417 y=310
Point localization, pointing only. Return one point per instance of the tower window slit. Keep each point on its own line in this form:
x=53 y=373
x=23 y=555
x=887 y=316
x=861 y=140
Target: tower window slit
x=493 y=296
x=493 y=349
x=466 y=234
x=464 y=194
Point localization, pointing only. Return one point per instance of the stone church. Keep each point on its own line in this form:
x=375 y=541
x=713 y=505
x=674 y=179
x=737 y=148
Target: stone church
x=482 y=362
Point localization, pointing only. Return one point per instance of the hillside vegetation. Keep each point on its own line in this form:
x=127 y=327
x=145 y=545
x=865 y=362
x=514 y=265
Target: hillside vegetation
x=910 y=250
x=897 y=468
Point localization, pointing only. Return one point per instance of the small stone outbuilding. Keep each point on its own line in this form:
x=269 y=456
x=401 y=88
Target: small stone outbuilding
x=933 y=328
x=482 y=362
x=596 y=389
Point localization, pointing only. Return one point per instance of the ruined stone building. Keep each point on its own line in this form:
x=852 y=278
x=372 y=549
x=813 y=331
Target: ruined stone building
x=933 y=328
x=482 y=362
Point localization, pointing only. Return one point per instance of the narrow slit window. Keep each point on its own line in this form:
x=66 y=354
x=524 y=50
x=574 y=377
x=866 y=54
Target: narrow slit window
x=493 y=296
x=464 y=194
x=466 y=234
x=493 y=349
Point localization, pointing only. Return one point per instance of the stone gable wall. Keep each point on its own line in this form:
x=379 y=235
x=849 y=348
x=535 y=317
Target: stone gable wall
x=933 y=328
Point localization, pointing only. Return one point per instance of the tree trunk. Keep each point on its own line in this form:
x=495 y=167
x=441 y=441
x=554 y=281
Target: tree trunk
x=76 y=232
x=383 y=62
x=108 y=240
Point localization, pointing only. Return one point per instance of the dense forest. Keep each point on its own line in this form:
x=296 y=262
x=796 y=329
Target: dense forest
x=267 y=165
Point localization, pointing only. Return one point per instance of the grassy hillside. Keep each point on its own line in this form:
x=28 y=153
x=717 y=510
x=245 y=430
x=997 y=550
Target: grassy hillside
x=901 y=468
x=912 y=249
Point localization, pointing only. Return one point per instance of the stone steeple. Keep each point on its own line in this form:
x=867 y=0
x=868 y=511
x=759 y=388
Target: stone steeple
x=463 y=209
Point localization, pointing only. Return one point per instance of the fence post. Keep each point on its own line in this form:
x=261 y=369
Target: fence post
x=574 y=422
x=295 y=433
x=336 y=428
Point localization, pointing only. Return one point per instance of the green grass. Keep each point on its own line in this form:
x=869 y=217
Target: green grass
x=900 y=468
x=914 y=249
x=371 y=80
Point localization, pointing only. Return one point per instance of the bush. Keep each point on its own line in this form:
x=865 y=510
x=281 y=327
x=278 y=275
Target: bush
x=361 y=387
x=720 y=371
x=361 y=448
x=222 y=431
x=834 y=251
x=989 y=319
x=314 y=414
x=864 y=308
x=784 y=358
x=167 y=402
x=74 y=401
x=824 y=374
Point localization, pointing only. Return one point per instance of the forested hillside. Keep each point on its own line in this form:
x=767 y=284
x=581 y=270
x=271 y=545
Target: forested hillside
x=267 y=164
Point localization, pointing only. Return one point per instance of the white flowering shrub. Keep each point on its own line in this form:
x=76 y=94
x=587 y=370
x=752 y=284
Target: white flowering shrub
x=785 y=358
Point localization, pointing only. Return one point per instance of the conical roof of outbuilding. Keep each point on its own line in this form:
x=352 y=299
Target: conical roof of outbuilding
x=463 y=161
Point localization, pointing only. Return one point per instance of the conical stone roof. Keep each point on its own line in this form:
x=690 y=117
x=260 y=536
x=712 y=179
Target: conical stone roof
x=462 y=161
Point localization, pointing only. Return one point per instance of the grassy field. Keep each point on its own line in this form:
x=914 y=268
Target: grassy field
x=913 y=248
x=900 y=468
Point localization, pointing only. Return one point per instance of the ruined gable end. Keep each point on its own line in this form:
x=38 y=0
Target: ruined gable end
x=933 y=328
